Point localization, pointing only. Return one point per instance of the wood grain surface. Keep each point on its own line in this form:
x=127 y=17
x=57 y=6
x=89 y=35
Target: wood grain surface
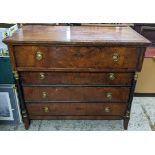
x=76 y=57
x=76 y=94
x=72 y=35
x=76 y=109
x=64 y=71
x=68 y=78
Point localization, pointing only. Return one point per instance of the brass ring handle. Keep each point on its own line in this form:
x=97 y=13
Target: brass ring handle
x=111 y=76
x=107 y=109
x=39 y=55
x=42 y=76
x=44 y=94
x=109 y=96
x=115 y=57
x=46 y=109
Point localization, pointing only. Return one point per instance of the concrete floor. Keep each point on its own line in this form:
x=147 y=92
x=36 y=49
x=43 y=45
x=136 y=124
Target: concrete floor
x=142 y=119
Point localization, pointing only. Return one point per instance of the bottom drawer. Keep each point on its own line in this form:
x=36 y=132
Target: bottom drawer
x=62 y=109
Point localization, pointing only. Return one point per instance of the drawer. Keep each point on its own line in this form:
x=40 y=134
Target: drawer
x=43 y=78
x=43 y=57
x=76 y=94
x=85 y=109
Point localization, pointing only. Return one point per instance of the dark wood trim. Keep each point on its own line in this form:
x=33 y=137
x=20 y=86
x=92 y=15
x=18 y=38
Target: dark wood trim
x=138 y=50
x=73 y=85
x=77 y=69
x=87 y=71
x=125 y=123
x=131 y=94
x=141 y=58
x=144 y=94
x=77 y=117
x=59 y=102
x=46 y=43
x=22 y=105
x=127 y=115
x=18 y=85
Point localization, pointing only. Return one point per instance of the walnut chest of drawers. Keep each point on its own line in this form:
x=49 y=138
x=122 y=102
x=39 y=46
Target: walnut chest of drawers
x=76 y=72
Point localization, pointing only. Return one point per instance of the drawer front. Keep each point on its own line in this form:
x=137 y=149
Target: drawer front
x=76 y=78
x=77 y=109
x=77 y=94
x=43 y=57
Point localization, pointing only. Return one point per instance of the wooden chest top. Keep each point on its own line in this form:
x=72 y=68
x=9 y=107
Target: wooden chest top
x=77 y=35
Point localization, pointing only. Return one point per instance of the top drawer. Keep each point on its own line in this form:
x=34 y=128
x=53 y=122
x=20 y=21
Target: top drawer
x=76 y=57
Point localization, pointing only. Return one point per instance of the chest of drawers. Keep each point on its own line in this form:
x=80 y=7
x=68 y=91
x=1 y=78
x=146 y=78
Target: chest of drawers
x=76 y=72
